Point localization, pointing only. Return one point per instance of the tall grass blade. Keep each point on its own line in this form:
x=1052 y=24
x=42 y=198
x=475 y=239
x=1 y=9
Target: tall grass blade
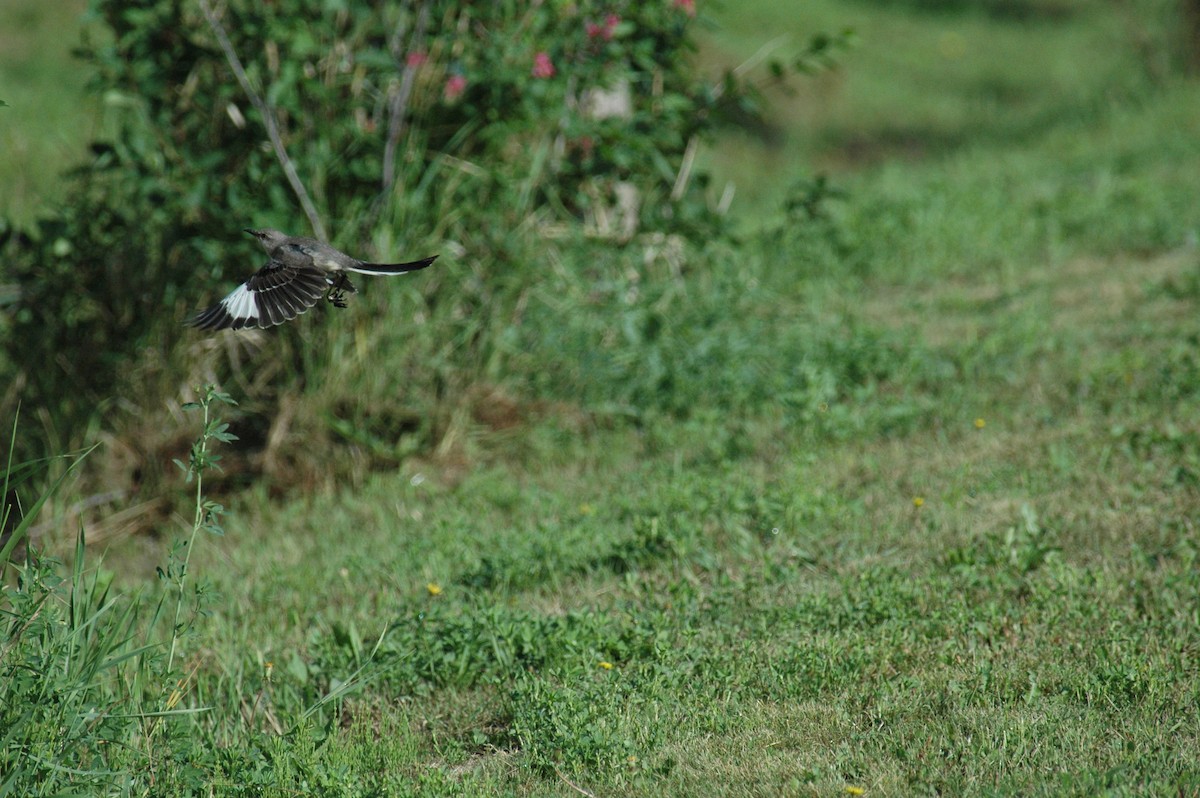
x=22 y=528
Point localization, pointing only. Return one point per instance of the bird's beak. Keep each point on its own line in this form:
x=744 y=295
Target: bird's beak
x=251 y=232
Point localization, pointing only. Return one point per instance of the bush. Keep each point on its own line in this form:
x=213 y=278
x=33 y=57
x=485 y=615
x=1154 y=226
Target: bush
x=484 y=113
x=480 y=132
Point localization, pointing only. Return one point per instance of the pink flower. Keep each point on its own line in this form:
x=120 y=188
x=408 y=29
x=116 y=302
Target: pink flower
x=688 y=6
x=416 y=58
x=605 y=31
x=542 y=66
x=455 y=86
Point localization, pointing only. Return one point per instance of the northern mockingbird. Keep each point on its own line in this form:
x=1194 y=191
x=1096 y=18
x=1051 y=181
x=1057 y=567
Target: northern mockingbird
x=299 y=273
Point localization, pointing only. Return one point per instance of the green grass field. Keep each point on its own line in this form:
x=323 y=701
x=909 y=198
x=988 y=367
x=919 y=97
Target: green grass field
x=49 y=119
x=916 y=513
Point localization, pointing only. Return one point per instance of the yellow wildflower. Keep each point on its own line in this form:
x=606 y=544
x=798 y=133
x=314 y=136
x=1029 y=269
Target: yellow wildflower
x=852 y=790
x=918 y=501
x=434 y=589
x=980 y=423
x=608 y=666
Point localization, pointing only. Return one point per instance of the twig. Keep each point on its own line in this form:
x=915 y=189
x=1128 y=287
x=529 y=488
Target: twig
x=726 y=198
x=398 y=103
x=685 y=170
x=268 y=116
x=760 y=54
x=572 y=784
x=754 y=60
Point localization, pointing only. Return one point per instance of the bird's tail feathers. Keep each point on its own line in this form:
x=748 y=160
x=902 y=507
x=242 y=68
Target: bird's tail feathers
x=392 y=268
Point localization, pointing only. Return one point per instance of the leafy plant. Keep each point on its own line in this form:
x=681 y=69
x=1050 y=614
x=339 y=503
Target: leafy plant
x=476 y=129
x=207 y=512
x=87 y=697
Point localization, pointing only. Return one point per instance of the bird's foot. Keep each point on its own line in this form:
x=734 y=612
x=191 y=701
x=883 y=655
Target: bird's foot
x=339 y=286
x=341 y=282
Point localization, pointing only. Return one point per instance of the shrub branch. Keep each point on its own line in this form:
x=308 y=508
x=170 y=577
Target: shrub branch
x=268 y=115
x=398 y=103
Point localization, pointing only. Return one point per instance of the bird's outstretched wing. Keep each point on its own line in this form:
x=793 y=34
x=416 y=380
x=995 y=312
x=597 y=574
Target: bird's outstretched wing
x=275 y=294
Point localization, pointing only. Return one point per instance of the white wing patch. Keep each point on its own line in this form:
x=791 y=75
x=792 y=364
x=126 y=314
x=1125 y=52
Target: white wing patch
x=241 y=303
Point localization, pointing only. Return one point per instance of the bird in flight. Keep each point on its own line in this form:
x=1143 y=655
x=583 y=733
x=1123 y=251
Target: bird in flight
x=299 y=273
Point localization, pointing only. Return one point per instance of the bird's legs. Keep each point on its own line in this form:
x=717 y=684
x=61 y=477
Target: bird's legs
x=339 y=286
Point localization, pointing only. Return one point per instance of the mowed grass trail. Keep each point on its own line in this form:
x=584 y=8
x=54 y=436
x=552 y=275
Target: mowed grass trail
x=955 y=553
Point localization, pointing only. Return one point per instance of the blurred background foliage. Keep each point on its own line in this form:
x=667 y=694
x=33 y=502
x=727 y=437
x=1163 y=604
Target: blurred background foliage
x=560 y=158
x=495 y=135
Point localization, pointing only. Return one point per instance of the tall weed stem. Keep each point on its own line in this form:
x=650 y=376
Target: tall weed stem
x=207 y=513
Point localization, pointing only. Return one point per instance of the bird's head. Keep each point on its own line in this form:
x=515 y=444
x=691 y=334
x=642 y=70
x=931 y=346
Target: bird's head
x=269 y=238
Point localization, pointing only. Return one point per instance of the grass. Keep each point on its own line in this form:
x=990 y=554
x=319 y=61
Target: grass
x=45 y=129
x=926 y=80
x=937 y=536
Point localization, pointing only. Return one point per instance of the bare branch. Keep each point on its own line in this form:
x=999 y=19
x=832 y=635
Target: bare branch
x=268 y=115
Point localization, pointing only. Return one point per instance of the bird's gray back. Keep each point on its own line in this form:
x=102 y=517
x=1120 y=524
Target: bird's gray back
x=302 y=251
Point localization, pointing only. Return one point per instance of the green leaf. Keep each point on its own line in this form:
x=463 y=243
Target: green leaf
x=222 y=397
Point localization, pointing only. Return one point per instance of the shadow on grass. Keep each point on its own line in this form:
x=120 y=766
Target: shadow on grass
x=1001 y=10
